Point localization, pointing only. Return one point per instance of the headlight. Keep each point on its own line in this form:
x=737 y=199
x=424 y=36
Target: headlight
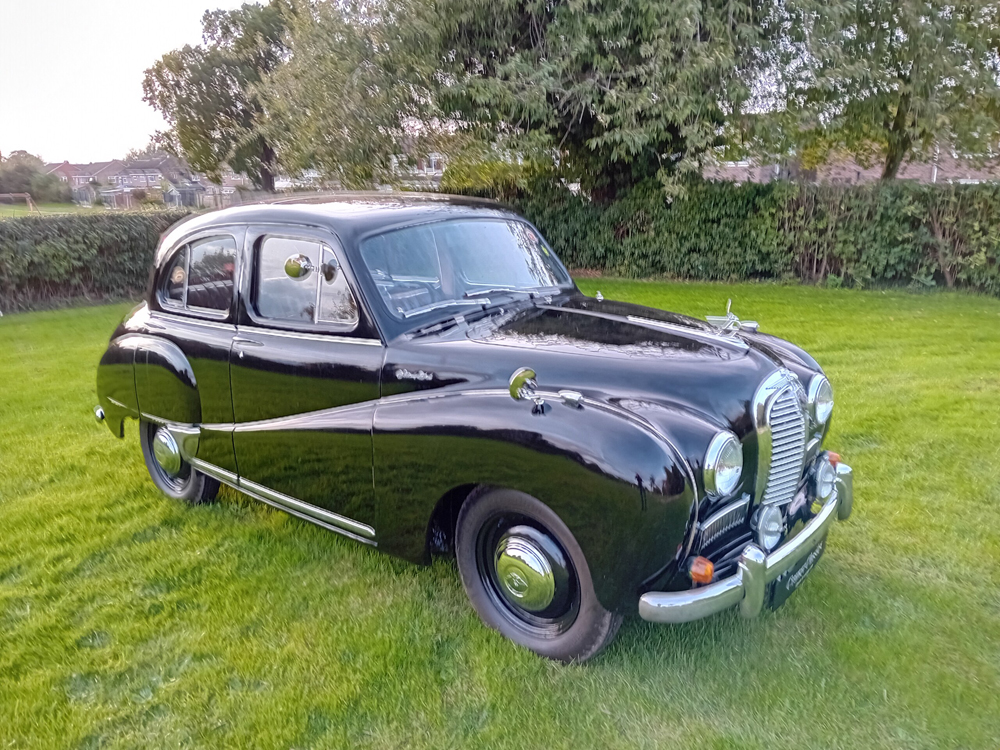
x=723 y=464
x=826 y=481
x=820 y=399
x=770 y=525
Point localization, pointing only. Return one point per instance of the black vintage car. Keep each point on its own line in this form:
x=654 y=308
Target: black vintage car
x=422 y=375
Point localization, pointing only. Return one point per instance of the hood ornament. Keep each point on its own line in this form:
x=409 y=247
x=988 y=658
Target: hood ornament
x=729 y=323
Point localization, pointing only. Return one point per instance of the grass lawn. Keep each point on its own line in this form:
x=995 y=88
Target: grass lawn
x=128 y=620
x=14 y=210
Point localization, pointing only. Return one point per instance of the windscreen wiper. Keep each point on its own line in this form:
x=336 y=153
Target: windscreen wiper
x=437 y=306
x=496 y=290
x=544 y=291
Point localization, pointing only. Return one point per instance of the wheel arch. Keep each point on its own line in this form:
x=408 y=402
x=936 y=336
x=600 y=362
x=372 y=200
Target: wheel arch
x=444 y=518
x=623 y=490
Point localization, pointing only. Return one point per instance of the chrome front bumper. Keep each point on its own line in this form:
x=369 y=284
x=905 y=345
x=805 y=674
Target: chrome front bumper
x=756 y=569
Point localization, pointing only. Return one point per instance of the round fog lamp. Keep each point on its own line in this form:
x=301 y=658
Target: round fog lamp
x=826 y=481
x=770 y=524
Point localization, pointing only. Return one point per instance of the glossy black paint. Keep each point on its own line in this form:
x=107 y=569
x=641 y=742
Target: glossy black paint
x=391 y=427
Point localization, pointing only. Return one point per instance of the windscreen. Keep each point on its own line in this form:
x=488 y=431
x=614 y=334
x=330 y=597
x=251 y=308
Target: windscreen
x=459 y=262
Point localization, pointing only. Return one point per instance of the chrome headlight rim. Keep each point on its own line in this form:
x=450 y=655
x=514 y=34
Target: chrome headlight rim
x=720 y=483
x=819 y=386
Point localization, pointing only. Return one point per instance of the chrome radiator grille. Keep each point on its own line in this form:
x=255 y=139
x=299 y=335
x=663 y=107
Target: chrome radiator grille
x=787 y=424
x=723 y=521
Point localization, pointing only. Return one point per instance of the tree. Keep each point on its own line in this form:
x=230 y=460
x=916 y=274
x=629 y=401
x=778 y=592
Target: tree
x=159 y=145
x=357 y=89
x=208 y=96
x=620 y=90
x=22 y=172
x=894 y=79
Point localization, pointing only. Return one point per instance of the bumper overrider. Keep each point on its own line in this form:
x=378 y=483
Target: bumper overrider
x=756 y=569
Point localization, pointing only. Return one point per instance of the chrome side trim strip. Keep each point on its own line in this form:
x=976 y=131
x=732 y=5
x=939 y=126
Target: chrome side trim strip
x=215 y=472
x=290 y=503
x=713 y=338
x=305 y=517
x=322 y=518
x=309 y=336
x=156 y=315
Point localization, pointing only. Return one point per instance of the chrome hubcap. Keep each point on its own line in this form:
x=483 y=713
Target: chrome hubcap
x=166 y=452
x=524 y=573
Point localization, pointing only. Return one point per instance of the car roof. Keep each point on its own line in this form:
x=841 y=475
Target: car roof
x=349 y=215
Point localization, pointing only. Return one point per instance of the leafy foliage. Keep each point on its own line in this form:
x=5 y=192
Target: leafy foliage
x=891 y=81
x=621 y=91
x=207 y=92
x=356 y=89
x=881 y=234
x=105 y=255
x=22 y=172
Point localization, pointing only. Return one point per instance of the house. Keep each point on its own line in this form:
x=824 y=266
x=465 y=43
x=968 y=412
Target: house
x=63 y=170
x=422 y=173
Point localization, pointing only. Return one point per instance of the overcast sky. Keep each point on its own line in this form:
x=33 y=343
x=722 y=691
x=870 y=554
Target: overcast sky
x=71 y=72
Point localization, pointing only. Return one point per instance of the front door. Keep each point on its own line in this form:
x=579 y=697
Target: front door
x=305 y=371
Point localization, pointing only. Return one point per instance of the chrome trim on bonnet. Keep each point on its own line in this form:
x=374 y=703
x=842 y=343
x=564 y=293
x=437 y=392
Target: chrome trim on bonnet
x=756 y=569
x=709 y=336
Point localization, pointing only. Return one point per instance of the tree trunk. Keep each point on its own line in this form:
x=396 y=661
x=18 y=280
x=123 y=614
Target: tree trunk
x=899 y=140
x=267 y=163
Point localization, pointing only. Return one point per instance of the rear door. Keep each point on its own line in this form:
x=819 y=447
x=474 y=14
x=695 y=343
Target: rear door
x=194 y=307
x=305 y=370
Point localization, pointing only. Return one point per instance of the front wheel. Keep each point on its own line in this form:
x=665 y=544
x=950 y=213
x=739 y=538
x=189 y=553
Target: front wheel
x=174 y=476
x=527 y=577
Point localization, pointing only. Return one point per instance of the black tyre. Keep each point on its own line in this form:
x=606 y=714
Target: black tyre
x=174 y=476
x=527 y=577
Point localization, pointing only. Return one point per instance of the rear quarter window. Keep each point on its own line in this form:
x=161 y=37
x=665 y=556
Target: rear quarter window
x=201 y=277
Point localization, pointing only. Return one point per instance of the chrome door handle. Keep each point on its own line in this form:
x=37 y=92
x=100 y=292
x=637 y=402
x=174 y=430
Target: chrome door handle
x=240 y=341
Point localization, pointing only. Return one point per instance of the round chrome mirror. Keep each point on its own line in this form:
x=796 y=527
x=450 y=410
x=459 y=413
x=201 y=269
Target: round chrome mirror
x=522 y=383
x=330 y=269
x=298 y=266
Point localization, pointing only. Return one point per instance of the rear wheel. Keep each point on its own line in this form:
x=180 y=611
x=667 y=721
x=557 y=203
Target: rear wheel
x=527 y=577
x=174 y=476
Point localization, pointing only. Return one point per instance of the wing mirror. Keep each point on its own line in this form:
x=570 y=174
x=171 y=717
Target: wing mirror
x=299 y=267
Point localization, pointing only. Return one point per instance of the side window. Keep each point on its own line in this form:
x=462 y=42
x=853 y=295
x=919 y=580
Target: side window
x=336 y=303
x=201 y=276
x=211 y=272
x=176 y=279
x=300 y=281
x=279 y=296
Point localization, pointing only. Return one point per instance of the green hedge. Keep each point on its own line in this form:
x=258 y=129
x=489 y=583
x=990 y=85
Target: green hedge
x=49 y=259
x=897 y=233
